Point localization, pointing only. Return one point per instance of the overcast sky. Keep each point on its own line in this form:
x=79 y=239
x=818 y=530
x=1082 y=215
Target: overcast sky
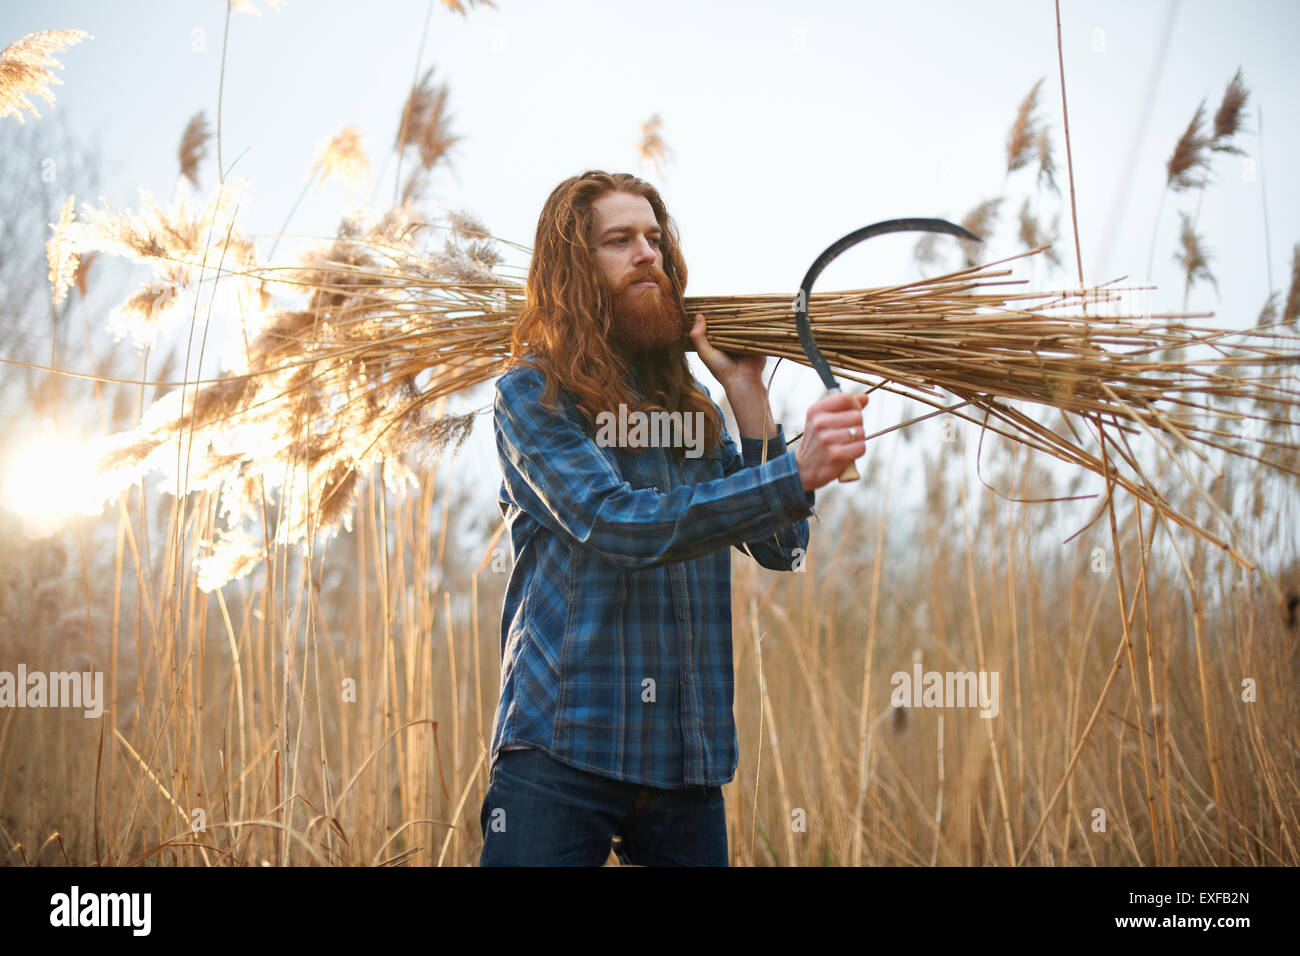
x=790 y=124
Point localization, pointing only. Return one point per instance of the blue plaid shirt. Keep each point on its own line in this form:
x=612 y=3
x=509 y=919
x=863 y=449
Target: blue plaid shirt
x=616 y=628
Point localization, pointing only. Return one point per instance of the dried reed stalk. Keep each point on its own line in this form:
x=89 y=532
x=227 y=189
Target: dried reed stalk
x=389 y=332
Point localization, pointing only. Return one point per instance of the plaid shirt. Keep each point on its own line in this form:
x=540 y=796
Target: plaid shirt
x=616 y=629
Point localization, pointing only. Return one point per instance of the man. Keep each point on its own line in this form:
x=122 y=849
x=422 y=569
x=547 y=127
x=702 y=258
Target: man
x=615 y=722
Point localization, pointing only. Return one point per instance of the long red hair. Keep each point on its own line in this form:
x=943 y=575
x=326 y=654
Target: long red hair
x=565 y=323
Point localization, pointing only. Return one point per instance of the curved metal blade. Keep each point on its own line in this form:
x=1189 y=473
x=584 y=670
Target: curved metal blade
x=831 y=252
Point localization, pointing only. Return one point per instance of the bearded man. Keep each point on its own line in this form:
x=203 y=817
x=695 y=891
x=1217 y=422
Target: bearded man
x=615 y=725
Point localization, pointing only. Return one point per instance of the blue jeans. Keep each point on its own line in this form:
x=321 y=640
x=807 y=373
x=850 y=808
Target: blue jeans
x=541 y=812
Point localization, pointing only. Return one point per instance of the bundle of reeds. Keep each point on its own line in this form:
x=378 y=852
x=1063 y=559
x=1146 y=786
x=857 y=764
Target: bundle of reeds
x=1112 y=370
x=360 y=374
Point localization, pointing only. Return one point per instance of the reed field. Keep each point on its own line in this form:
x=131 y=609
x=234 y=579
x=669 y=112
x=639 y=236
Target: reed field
x=299 y=629
x=233 y=701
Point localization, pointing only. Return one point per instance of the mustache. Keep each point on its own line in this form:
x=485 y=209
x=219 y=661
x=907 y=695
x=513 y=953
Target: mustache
x=649 y=273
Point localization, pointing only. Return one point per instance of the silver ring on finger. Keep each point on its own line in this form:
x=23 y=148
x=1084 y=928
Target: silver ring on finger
x=853 y=433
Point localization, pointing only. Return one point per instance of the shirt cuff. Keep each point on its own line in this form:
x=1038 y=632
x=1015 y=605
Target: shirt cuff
x=751 y=449
x=789 y=496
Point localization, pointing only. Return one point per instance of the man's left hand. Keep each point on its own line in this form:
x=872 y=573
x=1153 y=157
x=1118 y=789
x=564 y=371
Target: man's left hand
x=730 y=371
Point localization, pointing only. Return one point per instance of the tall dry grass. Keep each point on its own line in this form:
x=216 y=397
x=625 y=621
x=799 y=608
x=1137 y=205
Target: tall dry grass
x=1148 y=728
x=237 y=702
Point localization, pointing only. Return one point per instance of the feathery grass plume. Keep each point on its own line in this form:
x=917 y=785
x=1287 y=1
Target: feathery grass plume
x=181 y=234
x=467 y=260
x=1031 y=235
x=1189 y=165
x=1227 y=120
x=240 y=553
x=25 y=68
x=82 y=278
x=1046 y=167
x=466 y=225
x=62 y=256
x=249 y=6
x=1268 y=314
x=179 y=243
x=426 y=126
x=650 y=148
x=981 y=220
x=457 y=6
x=1192 y=256
x=1024 y=132
x=926 y=251
x=352 y=266
x=435 y=436
x=324 y=392
x=147 y=310
x=342 y=154
x=194 y=146
x=414 y=189
x=1292 y=310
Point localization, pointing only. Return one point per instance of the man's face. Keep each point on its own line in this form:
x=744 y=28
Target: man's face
x=626 y=239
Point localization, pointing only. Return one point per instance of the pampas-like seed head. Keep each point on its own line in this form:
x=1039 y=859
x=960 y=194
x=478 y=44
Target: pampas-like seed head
x=236 y=553
x=82 y=278
x=141 y=315
x=651 y=148
x=1046 y=168
x=1031 y=234
x=181 y=234
x=981 y=220
x=62 y=253
x=426 y=122
x=435 y=436
x=1192 y=256
x=1292 y=310
x=1188 y=167
x=926 y=253
x=342 y=154
x=194 y=146
x=1024 y=132
x=1227 y=120
x=1268 y=314
x=25 y=68
x=466 y=225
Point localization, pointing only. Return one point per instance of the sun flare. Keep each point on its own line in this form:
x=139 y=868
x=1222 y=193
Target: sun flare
x=49 y=478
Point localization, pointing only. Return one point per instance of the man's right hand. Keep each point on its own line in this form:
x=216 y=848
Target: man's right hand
x=826 y=447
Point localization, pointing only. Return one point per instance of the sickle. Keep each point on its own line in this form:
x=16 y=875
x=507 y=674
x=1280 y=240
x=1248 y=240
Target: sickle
x=801 y=322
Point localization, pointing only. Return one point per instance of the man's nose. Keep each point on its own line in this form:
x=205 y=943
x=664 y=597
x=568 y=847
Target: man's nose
x=644 y=253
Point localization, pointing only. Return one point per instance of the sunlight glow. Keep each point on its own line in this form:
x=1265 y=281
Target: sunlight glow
x=50 y=478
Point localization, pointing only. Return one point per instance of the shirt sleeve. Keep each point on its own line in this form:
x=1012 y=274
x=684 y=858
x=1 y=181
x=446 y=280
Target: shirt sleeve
x=555 y=471
x=787 y=549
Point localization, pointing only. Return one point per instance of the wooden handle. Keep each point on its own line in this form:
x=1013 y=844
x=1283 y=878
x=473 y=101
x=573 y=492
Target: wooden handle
x=851 y=472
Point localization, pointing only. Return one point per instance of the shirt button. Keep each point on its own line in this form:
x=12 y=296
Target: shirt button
x=681 y=615
x=686 y=678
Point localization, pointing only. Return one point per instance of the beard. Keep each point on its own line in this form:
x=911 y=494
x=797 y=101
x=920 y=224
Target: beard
x=646 y=318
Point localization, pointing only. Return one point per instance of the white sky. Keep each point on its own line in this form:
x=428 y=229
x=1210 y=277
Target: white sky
x=790 y=123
